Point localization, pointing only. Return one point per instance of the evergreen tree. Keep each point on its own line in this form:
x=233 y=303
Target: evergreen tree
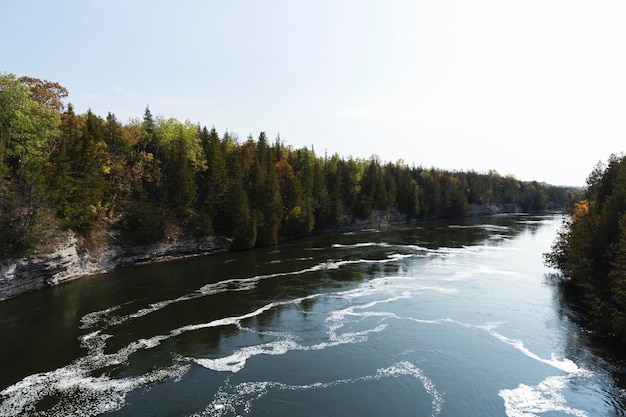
x=407 y=191
x=321 y=198
x=332 y=192
x=120 y=156
x=243 y=222
x=148 y=141
x=265 y=199
x=213 y=179
x=143 y=221
x=83 y=204
x=114 y=136
x=367 y=192
x=181 y=186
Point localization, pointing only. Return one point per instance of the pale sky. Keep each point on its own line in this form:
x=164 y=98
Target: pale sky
x=534 y=89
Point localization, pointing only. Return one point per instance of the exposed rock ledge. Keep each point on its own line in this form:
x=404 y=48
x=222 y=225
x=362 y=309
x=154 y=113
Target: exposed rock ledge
x=69 y=260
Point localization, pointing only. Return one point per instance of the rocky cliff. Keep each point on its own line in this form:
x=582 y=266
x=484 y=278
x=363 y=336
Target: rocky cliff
x=70 y=259
x=64 y=263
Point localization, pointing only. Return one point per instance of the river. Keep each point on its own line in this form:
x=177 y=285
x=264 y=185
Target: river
x=435 y=319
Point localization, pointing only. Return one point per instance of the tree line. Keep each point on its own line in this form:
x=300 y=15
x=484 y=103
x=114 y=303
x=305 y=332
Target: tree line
x=60 y=170
x=590 y=249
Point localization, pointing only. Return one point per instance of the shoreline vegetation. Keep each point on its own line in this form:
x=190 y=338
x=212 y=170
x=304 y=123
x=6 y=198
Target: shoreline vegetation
x=590 y=252
x=80 y=193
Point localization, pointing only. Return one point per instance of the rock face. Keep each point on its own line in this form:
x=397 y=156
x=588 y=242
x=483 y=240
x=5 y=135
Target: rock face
x=378 y=218
x=27 y=274
x=487 y=209
x=70 y=260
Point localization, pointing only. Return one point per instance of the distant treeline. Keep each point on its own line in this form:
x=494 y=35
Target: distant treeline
x=59 y=169
x=590 y=249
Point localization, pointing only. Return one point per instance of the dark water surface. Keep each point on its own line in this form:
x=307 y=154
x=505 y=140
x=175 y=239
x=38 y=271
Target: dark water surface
x=440 y=319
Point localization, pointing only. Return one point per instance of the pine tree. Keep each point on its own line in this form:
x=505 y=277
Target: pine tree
x=181 y=187
x=213 y=179
x=88 y=185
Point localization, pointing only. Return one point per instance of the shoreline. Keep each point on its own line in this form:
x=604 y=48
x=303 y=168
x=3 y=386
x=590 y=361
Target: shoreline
x=71 y=259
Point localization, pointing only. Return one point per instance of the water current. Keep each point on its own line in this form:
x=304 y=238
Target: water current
x=435 y=319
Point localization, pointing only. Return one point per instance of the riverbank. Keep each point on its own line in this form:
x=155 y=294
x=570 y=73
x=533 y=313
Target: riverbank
x=69 y=257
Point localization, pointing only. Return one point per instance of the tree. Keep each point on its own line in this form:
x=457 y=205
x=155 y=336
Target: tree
x=367 y=195
x=149 y=141
x=113 y=133
x=13 y=97
x=120 y=153
x=46 y=92
x=264 y=193
x=305 y=173
x=407 y=191
x=181 y=186
x=334 y=182
x=453 y=199
x=244 y=224
x=391 y=186
x=84 y=203
x=429 y=184
x=590 y=249
x=27 y=130
x=321 y=198
x=212 y=182
x=297 y=216
x=143 y=220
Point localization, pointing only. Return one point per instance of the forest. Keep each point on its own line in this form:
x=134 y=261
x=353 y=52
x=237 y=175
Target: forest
x=590 y=250
x=61 y=170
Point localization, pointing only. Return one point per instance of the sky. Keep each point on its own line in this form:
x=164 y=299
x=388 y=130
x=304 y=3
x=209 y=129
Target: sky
x=535 y=88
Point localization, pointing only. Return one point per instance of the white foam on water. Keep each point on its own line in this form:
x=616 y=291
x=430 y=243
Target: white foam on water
x=530 y=401
x=78 y=393
x=497 y=248
x=235 y=284
x=487 y=227
x=90 y=320
x=361 y=245
x=93 y=318
x=286 y=341
x=563 y=364
x=340 y=263
x=158 y=306
x=397 y=256
x=404 y=286
x=491 y=271
x=237 y=361
x=451 y=252
x=280 y=261
x=407 y=368
x=414 y=250
x=239 y=399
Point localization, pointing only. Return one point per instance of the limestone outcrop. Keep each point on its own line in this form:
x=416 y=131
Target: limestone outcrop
x=70 y=259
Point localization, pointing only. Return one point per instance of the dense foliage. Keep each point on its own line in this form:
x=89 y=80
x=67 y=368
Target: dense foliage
x=59 y=169
x=590 y=249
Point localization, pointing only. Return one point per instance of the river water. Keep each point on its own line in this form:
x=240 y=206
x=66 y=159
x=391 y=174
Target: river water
x=438 y=319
